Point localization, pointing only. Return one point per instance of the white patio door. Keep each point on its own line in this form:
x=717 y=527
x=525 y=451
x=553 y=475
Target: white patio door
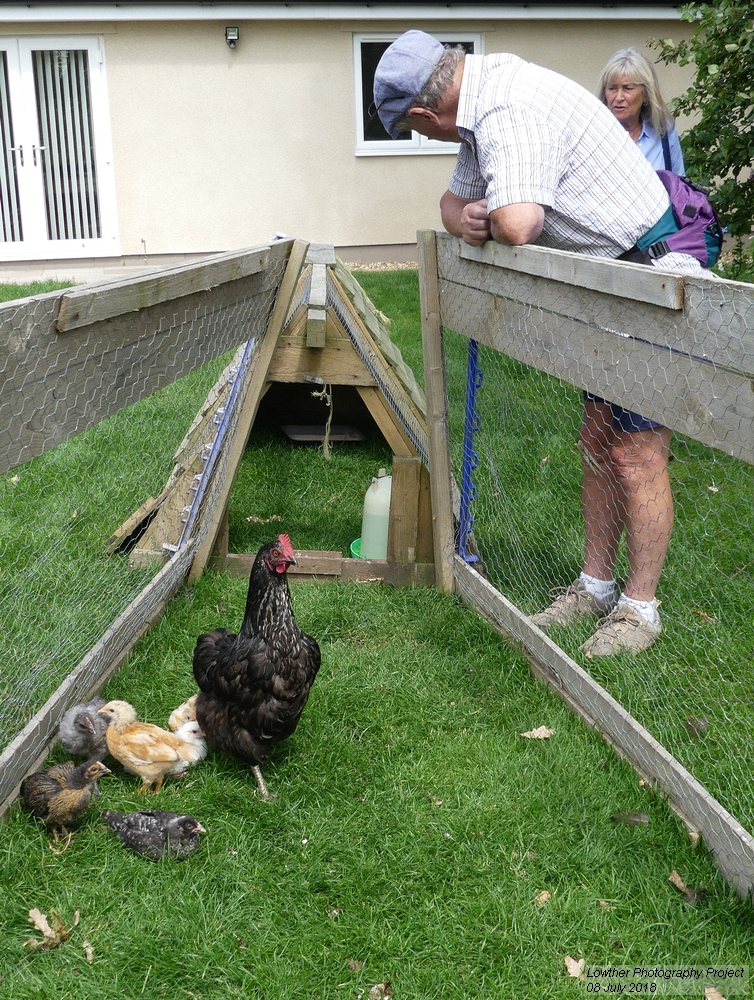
x=57 y=192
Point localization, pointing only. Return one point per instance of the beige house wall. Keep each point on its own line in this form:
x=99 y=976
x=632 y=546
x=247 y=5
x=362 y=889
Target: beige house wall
x=216 y=149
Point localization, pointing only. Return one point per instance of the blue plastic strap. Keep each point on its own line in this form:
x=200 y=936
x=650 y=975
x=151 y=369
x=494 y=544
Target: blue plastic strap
x=474 y=377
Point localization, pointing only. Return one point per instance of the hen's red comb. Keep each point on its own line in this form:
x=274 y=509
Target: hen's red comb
x=285 y=540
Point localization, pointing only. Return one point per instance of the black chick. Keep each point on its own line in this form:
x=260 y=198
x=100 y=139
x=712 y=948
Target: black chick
x=254 y=685
x=156 y=833
x=62 y=792
x=82 y=730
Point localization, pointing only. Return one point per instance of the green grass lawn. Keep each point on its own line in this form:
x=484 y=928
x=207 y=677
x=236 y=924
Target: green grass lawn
x=415 y=830
x=413 y=833
x=10 y=290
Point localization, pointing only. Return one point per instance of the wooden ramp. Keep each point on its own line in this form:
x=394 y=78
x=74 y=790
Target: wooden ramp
x=324 y=333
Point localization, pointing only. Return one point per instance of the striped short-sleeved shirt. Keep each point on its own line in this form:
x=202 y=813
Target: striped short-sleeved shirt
x=532 y=135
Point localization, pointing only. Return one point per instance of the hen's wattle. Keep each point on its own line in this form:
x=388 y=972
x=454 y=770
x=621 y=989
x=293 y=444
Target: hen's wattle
x=254 y=685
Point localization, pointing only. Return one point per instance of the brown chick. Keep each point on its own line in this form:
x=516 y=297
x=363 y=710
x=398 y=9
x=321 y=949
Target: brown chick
x=184 y=713
x=60 y=793
x=144 y=749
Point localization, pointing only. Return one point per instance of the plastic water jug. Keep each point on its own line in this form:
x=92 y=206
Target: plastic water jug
x=376 y=516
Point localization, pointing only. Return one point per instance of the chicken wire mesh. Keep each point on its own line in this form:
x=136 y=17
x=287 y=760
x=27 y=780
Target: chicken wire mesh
x=692 y=690
x=102 y=410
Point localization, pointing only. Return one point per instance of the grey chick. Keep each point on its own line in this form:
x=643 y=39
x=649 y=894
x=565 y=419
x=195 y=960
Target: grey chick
x=156 y=833
x=82 y=730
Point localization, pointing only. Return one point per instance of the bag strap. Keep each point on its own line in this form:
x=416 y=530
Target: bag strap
x=666 y=152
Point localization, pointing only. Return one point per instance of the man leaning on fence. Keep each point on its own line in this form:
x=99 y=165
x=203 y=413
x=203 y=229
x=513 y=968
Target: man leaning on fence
x=543 y=161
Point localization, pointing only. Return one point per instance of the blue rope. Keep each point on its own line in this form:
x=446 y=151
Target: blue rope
x=474 y=377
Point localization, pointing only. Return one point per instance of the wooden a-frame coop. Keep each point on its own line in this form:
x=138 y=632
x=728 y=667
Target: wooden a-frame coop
x=332 y=338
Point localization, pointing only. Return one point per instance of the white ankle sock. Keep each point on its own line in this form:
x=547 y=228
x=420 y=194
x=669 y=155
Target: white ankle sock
x=646 y=610
x=603 y=590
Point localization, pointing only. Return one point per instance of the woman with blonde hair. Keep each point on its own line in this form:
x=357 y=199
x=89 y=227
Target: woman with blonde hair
x=630 y=88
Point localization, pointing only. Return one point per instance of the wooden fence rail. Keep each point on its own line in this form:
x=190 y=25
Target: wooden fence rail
x=678 y=349
x=70 y=358
x=124 y=340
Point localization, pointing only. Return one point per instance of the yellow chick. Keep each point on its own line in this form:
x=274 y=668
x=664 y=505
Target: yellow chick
x=184 y=713
x=144 y=749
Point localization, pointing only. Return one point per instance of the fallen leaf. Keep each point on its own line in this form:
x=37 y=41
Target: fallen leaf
x=51 y=936
x=713 y=489
x=631 y=818
x=335 y=913
x=39 y=920
x=354 y=965
x=604 y=905
x=710 y=993
x=543 y=733
x=381 y=990
x=694 y=838
x=545 y=460
x=88 y=951
x=15 y=479
x=704 y=615
x=575 y=966
x=542 y=898
x=264 y=520
x=691 y=896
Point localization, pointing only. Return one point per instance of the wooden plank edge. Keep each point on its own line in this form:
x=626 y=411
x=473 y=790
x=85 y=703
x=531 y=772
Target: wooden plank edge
x=601 y=274
x=90 y=304
x=730 y=844
x=23 y=754
x=322 y=566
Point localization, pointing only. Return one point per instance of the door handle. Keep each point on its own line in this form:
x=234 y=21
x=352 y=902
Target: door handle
x=20 y=151
x=34 y=153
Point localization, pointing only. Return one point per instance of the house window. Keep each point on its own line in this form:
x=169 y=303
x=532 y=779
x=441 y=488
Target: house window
x=371 y=137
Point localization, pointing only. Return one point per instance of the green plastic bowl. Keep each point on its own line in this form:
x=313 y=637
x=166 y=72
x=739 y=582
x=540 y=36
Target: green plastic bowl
x=356 y=548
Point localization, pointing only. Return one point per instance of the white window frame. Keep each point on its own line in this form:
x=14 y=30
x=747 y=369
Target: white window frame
x=417 y=144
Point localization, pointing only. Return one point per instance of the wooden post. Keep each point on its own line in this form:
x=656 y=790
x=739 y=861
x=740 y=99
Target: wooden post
x=403 y=525
x=437 y=410
x=219 y=556
x=425 y=549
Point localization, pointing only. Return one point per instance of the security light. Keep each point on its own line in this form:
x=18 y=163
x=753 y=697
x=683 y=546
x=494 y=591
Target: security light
x=231 y=37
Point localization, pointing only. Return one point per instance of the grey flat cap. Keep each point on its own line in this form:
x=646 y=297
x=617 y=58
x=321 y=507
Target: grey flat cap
x=402 y=74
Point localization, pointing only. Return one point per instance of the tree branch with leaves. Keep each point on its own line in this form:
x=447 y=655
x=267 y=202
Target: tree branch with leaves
x=719 y=146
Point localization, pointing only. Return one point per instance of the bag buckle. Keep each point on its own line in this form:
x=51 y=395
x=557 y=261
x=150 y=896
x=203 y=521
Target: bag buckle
x=658 y=249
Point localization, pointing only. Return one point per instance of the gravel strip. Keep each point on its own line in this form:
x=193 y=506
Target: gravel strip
x=395 y=265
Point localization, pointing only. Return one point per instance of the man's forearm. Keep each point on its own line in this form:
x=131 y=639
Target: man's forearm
x=464 y=218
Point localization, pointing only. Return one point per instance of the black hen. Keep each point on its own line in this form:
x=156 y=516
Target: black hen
x=254 y=685
x=156 y=833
